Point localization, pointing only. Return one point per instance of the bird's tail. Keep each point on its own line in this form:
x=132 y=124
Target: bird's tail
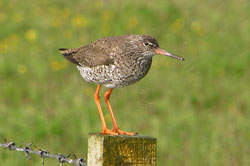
x=65 y=51
x=68 y=54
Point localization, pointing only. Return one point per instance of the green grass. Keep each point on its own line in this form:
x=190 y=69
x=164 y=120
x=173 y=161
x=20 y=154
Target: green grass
x=199 y=109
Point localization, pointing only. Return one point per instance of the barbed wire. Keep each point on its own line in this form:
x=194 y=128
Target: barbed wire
x=43 y=154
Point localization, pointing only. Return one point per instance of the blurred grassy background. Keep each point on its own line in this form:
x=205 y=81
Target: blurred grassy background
x=198 y=109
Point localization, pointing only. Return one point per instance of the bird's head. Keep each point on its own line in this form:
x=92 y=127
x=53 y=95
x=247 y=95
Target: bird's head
x=150 y=47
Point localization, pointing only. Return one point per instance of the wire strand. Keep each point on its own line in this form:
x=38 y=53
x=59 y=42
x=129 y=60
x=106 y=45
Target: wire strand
x=43 y=154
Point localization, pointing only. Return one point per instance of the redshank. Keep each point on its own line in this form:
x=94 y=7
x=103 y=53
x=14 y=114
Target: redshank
x=113 y=62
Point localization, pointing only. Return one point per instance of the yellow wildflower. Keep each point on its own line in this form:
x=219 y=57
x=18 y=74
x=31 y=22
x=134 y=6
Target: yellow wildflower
x=4 y=47
x=12 y=40
x=133 y=21
x=31 y=35
x=66 y=13
x=177 y=25
x=79 y=21
x=55 y=65
x=21 y=69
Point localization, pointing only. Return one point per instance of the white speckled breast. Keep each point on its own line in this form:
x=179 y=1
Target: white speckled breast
x=117 y=75
x=99 y=75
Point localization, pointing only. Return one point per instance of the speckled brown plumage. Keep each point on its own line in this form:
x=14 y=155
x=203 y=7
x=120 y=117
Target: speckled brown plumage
x=113 y=61
x=102 y=51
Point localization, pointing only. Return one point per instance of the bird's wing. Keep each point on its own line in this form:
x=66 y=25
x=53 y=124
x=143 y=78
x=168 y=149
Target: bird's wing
x=91 y=56
x=100 y=52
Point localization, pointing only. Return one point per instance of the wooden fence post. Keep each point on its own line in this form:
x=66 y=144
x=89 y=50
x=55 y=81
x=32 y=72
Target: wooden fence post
x=122 y=150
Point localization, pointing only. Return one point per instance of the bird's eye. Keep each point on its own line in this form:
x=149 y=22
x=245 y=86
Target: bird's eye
x=146 y=43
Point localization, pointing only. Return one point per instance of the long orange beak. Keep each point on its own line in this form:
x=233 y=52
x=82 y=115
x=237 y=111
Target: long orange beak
x=163 y=52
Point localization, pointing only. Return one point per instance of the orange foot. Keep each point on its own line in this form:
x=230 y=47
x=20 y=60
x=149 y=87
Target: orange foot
x=109 y=132
x=120 y=132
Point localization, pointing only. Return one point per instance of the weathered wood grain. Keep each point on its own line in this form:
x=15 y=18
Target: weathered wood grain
x=122 y=150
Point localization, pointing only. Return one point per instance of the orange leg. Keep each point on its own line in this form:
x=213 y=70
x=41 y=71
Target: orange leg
x=115 y=126
x=105 y=130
